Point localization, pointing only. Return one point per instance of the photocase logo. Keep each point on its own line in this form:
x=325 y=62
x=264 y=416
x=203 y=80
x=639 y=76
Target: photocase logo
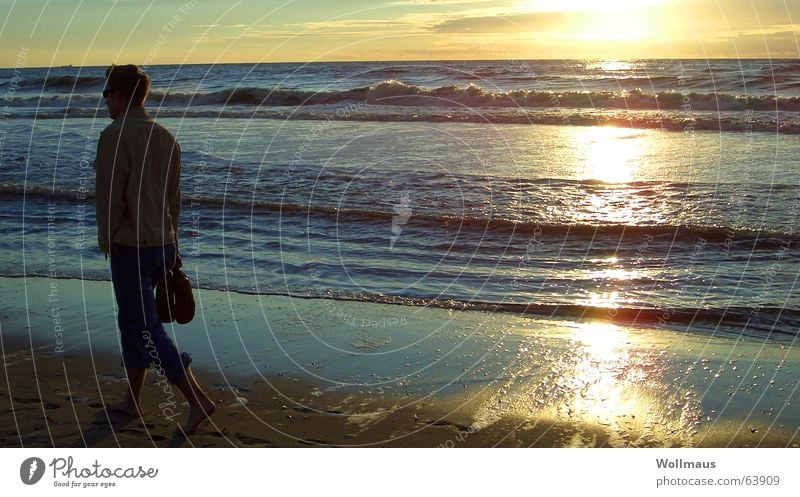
x=31 y=470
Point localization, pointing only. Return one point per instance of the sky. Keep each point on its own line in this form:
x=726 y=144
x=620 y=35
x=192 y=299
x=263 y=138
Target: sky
x=40 y=33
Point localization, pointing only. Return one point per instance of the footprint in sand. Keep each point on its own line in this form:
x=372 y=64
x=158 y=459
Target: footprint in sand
x=449 y=424
x=76 y=399
x=33 y=400
x=311 y=441
x=248 y=440
x=140 y=433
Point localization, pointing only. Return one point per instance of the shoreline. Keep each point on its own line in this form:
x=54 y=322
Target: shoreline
x=647 y=317
x=289 y=373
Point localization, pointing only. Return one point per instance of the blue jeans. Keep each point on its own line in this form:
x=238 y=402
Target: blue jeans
x=135 y=271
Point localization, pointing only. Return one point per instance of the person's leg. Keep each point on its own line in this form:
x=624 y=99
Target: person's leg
x=173 y=364
x=126 y=278
x=130 y=405
x=200 y=405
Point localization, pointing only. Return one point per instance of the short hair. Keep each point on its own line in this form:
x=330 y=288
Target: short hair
x=130 y=80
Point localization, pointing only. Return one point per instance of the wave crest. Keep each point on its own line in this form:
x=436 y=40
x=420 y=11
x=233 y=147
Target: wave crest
x=393 y=92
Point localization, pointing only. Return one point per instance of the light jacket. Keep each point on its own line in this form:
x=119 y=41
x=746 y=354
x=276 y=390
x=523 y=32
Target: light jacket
x=137 y=188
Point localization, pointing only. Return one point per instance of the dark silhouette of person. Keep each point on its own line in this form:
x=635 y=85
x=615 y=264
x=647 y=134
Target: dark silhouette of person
x=138 y=198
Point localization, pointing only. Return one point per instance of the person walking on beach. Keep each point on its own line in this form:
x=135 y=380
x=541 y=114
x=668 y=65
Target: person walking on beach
x=138 y=199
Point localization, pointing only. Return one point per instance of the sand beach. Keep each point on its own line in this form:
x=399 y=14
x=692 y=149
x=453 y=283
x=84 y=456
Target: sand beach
x=298 y=372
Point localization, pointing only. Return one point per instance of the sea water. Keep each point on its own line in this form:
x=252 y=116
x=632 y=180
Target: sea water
x=658 y=192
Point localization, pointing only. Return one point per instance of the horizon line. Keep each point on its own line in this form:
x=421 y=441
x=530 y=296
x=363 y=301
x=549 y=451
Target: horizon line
x=410 y=60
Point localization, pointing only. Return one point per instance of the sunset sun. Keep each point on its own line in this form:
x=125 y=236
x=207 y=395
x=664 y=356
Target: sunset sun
x=620 y=20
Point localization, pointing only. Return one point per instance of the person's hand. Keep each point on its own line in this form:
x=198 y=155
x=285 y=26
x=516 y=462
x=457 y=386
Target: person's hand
x=178 y=261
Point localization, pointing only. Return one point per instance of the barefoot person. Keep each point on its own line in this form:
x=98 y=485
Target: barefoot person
x=138 y=199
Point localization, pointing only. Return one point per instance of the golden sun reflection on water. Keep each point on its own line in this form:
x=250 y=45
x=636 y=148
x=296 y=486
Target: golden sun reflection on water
x=610 y=160
x=613 y=388
x=611 y=300
x=612 y=154
x=613 y=274
x=601 y=384
x=603 y=394
x=611 y=65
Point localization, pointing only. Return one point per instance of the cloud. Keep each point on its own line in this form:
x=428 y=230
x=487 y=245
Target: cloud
x=347 y=24
x=774 y=45
x=726 y=45
x=695 y=28
x=688 y=16
x=532 y=22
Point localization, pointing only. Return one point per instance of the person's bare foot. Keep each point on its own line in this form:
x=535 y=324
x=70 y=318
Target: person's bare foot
x=125 y=407
x=197 y=414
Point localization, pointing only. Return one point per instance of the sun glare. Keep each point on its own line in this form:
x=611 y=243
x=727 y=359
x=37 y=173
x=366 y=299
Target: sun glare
x=620 y=20
x=620 y=25
x=607 y=392
x=611 y=154
x=611 y=66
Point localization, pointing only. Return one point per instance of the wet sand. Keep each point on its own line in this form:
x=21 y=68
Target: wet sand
x=275 y=413
x=289 y=372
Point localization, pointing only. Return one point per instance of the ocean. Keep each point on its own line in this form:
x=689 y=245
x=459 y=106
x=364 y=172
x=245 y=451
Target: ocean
x=663 y=193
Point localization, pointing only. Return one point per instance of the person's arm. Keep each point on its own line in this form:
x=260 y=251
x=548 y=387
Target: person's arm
x=174 y=191
x=112 y=169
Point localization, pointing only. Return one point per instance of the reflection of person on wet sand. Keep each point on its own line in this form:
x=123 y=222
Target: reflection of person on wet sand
x=138 y=208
